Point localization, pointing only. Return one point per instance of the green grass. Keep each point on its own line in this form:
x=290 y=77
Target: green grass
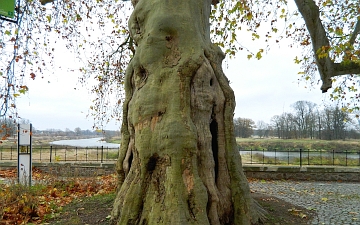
x=90 y=210
x=115 y=140
x=313 y=160
x=306 y=144
x=112 y=155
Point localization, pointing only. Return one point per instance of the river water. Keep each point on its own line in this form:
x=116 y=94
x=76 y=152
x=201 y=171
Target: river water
x=89 y=142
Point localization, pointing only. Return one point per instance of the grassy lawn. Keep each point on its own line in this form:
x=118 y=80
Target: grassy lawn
x=90 y=210
x=115 y=140
x=305 y=144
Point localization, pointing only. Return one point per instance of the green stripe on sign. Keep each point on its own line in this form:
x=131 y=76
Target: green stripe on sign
x=7 y=8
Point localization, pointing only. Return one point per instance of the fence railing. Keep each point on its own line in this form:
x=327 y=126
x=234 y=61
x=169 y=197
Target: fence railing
x=63 y=153
x=300 y=157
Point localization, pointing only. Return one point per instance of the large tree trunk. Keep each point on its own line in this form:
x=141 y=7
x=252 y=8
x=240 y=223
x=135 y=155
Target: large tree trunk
x=178 y=160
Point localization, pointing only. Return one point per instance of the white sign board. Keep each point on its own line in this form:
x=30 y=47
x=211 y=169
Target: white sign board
x=24 y=154
x=24 y=134
x=24 y=169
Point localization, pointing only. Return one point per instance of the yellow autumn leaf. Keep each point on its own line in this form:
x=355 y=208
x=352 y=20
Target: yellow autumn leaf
x=258 y=54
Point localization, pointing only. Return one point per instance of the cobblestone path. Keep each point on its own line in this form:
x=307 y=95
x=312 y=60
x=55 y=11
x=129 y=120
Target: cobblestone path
x=335 y=203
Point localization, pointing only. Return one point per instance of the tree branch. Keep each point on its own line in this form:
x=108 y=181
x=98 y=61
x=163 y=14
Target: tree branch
x=44 y=2
x=327 y=68
x=346 y=68
x=355 y=33
x=310 y=12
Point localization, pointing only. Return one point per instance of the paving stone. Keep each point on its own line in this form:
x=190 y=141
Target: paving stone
x=335 y=202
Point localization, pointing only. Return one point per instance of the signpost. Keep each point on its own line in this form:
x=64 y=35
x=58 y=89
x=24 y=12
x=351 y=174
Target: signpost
x=24 y=153
x=7 y=8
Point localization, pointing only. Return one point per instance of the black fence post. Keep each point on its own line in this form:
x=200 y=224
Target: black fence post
x=275 y=156
x=308 y=157
x=320 y=158
x=288 y=156
x=333 y=157
x=75 y=154
x=251 y=156
x=346 y=158
x=102 y=154
x=263 y=156
x=50 y=152
x=107 y=153
x=1 y=150
x=300 y=157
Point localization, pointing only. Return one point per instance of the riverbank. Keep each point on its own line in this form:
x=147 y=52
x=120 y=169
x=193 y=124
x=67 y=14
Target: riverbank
x=352 y=145
x=45 y=140
x=88 y=142
x=75 y=150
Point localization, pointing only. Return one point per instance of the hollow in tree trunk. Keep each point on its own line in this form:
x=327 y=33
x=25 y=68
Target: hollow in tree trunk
x=178 y=161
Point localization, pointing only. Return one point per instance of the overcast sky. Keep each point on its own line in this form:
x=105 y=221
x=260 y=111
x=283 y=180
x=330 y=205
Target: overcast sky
x=268 y=87
x=263 y=88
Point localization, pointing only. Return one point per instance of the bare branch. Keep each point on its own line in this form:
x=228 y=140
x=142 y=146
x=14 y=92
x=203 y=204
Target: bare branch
x=126 y=42
x=355 y=33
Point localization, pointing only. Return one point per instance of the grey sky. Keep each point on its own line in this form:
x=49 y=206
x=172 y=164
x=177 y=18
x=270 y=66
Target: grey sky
x=267 y=87
x=263 y=88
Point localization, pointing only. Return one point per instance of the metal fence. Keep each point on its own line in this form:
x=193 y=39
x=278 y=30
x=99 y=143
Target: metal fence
x=63 y=153
x=300 y=157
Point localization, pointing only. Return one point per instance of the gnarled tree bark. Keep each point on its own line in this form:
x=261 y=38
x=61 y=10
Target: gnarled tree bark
x=178 y=161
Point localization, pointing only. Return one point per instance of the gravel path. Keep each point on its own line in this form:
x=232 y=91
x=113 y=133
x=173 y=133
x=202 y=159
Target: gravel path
x=335 y=203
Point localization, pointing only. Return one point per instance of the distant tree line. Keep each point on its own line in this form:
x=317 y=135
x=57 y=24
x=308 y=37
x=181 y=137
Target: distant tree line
x=306 y=121
x=8 y=128
x=77 y=132
x=244 y=127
